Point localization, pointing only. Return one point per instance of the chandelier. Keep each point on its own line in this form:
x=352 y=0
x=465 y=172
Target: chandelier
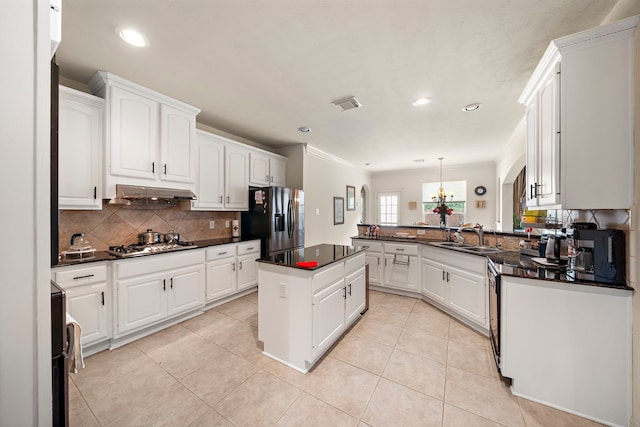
x=441 y=196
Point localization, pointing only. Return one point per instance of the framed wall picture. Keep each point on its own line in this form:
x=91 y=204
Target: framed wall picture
x=351 y=198
x=338 y=210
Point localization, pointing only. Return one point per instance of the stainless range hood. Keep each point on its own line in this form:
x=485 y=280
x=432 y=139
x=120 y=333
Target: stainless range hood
x=138 y=197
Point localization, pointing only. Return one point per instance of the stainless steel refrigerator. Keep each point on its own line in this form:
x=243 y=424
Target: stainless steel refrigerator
x=276 y=215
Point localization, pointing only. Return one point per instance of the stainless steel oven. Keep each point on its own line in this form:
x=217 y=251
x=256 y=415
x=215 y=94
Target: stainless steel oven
x=493 y=277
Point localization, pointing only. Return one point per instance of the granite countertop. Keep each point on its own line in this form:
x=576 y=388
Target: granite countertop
x=512 y=263
x=324 y=254
x=105 y=256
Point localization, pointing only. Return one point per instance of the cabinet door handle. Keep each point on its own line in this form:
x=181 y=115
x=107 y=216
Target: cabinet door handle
x=447 y=277
x=344 y=292
x=266 y=177
x=171 y=283
x=165 y=168
x=164 y=284
x=83 y=277
x=349 y=288
x=153 y=167
x=220 y=199
x=102 y=293
x=233 y=266
x=443 y=275
x=271 y=178
x=240 y=265
x=400 y=249
x=250 y=249
x=222 y=253
x=227 y=199
x=378 y=261
x=95 y=192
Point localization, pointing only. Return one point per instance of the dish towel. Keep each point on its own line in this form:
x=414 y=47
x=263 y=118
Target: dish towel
x=76 y=357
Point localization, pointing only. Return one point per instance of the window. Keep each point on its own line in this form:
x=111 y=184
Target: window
x=457 y=205
x=388 y=208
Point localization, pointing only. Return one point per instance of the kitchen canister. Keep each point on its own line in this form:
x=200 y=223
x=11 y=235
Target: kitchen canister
x=235 y=228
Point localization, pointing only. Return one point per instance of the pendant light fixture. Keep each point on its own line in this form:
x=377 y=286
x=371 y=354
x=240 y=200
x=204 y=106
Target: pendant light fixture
x=441 y=198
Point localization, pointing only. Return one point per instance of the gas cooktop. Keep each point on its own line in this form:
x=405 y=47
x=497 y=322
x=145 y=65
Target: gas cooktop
x=157 y=248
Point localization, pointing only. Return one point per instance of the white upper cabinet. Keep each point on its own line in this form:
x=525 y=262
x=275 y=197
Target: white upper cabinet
x=222 y=171
x=80 y=150
x=236 y=177
x=133 y=126
x=266 y=169
x=580 y=121
x=150 y=138
x=177 y=136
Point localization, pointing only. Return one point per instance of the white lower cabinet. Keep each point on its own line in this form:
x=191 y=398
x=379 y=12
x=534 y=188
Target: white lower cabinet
x=231 y=268
x=392 y=265
x=463 y=291
x=153 y=289
x=355 y=290
x=88 y=300
x=301 y=313
x=375 y=259
x=328 y=315
x=335 y=307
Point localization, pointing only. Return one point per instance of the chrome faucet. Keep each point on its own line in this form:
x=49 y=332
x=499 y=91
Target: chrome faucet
x=478 y=230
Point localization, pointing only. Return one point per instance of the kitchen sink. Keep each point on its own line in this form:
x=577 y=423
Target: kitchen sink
x=482 y=250
x=467 y=247
x=452 y=244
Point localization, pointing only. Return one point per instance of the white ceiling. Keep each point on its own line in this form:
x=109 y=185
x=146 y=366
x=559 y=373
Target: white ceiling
x=260 y=69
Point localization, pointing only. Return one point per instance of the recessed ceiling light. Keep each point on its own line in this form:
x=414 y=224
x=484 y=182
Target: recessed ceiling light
x=304 y=129
x=132 y=37
x=421 y=101
x=471 y=107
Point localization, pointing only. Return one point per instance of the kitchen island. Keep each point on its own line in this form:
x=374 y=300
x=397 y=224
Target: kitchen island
x=307 y=299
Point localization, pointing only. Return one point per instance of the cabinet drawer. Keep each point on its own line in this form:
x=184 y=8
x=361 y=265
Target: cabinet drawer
x=154 y=263
x=327 y=276
x=249 y=247
x=394 y=248
x=221 y=251
x=371 y=246
x=353 y=263
x=81 y=276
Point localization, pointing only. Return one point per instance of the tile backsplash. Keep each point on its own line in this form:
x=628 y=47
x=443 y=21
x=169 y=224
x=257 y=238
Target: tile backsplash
x=115 y=225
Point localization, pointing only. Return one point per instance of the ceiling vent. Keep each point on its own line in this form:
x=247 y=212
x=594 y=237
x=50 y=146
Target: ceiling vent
x=347 y=104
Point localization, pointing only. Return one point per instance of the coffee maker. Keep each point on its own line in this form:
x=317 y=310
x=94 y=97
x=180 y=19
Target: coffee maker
x=600 y=255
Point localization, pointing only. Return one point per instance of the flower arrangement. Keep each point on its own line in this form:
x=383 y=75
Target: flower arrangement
x=443 y=208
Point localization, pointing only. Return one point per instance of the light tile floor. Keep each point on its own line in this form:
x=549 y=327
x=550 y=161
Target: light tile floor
x=404 y=363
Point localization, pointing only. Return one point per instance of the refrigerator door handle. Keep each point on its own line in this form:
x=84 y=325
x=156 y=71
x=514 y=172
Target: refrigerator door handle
x=290 y=219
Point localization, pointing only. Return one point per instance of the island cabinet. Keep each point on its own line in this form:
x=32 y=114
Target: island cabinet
x=302 y=312
x=456 y=283
x=568 y=345
x=579 y=113
x=156 y=288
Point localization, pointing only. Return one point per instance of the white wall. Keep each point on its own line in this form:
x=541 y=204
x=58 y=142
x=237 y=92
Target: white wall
x=325 y=177
x=295 y=155
x=25 y=344
x=409 y=183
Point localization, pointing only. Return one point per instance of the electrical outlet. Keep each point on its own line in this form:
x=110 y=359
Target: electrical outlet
x=283 y=290
x=421 y=232
x=226 y=223
x=317 y=211
x=212 y=225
